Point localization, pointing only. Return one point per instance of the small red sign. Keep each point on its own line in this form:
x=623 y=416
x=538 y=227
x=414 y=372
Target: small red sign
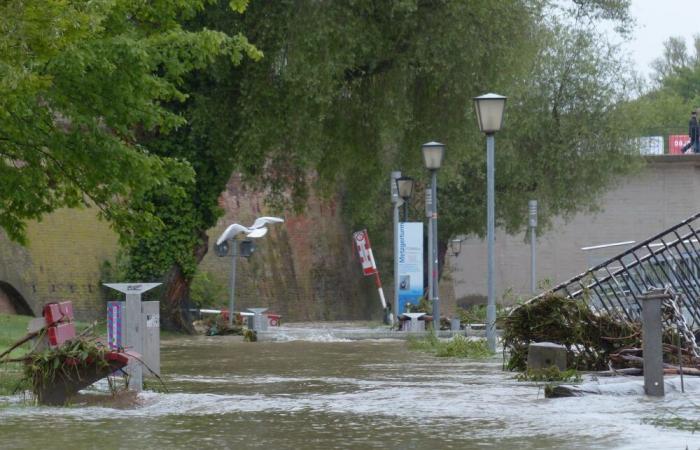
x=676 y=142
x=364 y=251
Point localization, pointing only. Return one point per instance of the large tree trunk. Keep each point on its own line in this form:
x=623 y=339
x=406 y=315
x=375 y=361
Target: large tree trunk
x=175 y=303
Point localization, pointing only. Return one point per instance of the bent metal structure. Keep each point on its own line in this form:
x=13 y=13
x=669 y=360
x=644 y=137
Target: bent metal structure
x=670 y=259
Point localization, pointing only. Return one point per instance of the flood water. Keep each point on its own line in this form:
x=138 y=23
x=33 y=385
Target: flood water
x=322 y=393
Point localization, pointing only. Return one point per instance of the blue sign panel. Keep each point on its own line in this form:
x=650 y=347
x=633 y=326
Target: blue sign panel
x=410 y=264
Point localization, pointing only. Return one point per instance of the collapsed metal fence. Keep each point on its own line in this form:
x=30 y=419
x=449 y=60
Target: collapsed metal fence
x=668 y=260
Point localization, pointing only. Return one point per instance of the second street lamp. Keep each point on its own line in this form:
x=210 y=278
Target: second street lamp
x=405 y=188
x=433 y=154
x=489 y=114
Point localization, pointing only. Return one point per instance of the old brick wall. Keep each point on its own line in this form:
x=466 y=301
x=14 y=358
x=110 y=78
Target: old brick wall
x=303 y=269
x=61 y=261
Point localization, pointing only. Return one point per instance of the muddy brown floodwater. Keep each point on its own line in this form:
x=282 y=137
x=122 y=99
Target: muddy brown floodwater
x=323 y=393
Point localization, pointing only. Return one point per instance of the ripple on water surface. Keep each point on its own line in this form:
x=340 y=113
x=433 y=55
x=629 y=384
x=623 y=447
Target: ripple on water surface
x=348 y=395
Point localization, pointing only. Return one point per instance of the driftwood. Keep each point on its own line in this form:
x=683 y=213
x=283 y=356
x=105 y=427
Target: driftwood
x=630 y=371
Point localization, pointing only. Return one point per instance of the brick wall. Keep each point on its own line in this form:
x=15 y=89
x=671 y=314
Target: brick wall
x=61 y=261
x=303 y=269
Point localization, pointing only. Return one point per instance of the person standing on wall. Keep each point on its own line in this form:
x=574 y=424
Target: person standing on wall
x=693 y=133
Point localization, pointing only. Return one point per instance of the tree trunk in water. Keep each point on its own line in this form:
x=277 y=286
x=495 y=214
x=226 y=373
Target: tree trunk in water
x=175 y=303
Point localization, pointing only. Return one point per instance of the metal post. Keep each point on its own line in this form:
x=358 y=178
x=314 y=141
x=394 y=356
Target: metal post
x=134 y=327
x=134 y=339
x=651 y=342
x=532 y=207
x=490 y=232
x=395 y=201
x=232 y=295
x=434 y=253
x=429 y=215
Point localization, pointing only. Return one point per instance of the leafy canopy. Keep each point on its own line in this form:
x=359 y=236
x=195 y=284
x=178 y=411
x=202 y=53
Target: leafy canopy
x=80 y=83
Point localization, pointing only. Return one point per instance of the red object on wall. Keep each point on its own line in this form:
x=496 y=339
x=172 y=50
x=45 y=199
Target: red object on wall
x=58 y=312
x=676 y=142
x=58 y=334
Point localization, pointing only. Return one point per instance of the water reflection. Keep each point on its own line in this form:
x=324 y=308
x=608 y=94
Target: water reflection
x=358 y=394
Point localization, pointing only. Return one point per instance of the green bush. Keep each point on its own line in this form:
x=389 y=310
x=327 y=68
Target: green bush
x=207 y=291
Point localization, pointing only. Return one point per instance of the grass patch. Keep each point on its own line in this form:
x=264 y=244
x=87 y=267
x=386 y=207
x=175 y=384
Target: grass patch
x=12 y=328
x=457 y=347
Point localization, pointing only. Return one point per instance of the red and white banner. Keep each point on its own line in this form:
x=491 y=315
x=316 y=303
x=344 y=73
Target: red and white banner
x=364 y=251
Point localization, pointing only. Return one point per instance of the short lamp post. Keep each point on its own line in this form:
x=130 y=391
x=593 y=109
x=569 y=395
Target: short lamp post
x=405 y=188
x=433 y=154
x=489 y=114
x=532 y=224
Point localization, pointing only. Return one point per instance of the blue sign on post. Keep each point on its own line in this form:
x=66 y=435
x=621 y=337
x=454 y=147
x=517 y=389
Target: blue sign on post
x=410 y=264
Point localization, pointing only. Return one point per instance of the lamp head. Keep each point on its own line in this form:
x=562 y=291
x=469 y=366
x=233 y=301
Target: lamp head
x=489 y=112
x=433 y=154
x=405 y=187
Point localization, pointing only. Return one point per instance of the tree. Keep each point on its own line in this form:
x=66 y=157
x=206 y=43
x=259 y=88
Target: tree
x=80 y=84
x=349 y=90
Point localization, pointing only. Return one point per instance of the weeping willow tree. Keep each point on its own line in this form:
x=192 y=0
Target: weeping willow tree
x=347 y=91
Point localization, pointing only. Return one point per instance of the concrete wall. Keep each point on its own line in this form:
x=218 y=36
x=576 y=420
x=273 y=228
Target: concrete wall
x=640 y=206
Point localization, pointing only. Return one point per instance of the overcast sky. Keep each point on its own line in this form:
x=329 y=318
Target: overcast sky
x=657 y=20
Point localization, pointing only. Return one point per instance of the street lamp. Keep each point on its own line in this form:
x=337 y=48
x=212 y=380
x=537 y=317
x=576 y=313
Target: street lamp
x=405 y=188
x=489 y=114
x=247 y=247
x=433 y=154
x=456 y=246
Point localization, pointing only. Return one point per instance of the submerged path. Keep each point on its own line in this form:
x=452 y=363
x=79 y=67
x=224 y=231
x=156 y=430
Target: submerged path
x=306 y=394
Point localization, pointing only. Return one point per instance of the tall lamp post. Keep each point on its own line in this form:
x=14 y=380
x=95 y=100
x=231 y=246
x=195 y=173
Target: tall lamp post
x=433 y=154
x=405 y=188
x=489 y=114
x=395 y=201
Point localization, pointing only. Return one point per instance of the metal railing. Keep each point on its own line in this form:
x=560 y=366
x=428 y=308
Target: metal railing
x=670 y=259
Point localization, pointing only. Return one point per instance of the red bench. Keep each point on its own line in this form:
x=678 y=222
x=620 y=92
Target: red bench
x=61 y=329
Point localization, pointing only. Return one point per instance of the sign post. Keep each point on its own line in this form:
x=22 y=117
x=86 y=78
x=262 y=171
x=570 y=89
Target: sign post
x=369 y=267
x=133 y=326
x=410 y=264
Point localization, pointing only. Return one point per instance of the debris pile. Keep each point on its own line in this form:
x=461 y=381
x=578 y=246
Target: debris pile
x=591 y=338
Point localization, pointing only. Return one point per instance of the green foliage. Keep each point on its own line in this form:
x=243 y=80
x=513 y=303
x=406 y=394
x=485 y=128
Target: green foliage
x=207 y=291
x=456 y=347
x=81 y=83
x=549 y=374
x=477 y=314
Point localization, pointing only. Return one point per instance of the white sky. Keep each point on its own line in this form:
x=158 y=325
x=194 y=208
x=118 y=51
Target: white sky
x=657 y=20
